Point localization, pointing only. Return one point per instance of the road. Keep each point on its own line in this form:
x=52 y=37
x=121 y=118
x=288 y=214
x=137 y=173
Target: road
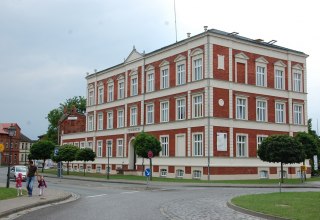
x=132 y=201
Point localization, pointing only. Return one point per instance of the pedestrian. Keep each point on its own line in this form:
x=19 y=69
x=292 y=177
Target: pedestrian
x=32 y=172
x=19 y=184
x=41 y=185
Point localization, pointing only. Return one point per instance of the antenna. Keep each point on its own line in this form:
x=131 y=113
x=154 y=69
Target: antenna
x=272 y=42
x=175 y=18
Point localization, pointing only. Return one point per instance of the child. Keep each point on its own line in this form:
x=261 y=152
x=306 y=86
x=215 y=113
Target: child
x=19 y=184
x=42 y=184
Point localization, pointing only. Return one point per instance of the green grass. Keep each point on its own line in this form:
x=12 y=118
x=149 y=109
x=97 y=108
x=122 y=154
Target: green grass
x=7 y=193
x=292 y=205
x=159 y=179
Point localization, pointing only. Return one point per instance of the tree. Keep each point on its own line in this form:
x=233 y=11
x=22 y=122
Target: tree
x=67 y=153
x=144 y=143
x=281 y=149
x=85 y=154
x=55 y=115
x=41 y=150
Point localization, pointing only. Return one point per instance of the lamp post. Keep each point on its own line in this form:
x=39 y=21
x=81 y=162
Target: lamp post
x=108 y=168
x=11 y=133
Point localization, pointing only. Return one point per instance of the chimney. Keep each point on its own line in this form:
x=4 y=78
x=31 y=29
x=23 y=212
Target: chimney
x=205 y=28
x=188 y=34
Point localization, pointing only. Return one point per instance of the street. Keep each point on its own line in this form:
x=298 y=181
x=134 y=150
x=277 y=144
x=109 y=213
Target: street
x=133 y=201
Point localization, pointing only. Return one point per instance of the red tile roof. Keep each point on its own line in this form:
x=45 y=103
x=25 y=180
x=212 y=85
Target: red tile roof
x=5 y=126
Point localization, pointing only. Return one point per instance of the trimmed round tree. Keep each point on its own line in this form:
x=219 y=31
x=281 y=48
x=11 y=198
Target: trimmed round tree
x=281 y=149
x=41 y=150
x=85 y=154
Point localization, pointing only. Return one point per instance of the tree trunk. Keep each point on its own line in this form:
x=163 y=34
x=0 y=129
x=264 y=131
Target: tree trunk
x=84 y=168
x=281 y=172
x=68 y=167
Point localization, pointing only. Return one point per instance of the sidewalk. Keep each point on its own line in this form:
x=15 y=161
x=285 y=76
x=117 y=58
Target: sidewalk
x=14 y=205
x=17 y=204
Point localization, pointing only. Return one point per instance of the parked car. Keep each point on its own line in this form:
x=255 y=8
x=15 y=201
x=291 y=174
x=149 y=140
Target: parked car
x=18 y=169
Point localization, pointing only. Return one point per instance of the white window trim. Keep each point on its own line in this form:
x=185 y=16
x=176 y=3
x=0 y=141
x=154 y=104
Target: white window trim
x=118 y=121
x=164 y=66
x=91 y=99
x=284 y=112
x=121 y=80
x=196 y=174
x=179 y=173
x=246 y=145
x=181 y=60
x=118 y=154
x=265 y=112
x=107 y=150
x=185 y=109
x=110 y=92
x=150 y=88
x=162 y=153
x=294 y=114
x=90 y=122
x=163 y=172
x=152 y=122
x=221 y=65
x=260 y=136
x=131 y=116
x=195 y=55
x=246 y=106
x=297 y=71
x=193 y=144
x=109 y=125
x=168 y=112
x=100 y=94
x=241 y=58
x=100 y=122
x=279 y=65
x=134 y=76
x=99 y=146
x=193 y=106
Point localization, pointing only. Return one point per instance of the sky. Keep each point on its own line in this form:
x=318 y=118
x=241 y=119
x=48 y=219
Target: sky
x=47 y=47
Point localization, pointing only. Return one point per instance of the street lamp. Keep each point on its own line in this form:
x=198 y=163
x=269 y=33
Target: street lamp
x=11 y=133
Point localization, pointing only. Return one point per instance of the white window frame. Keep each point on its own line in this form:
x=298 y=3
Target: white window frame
x=163 y=172
x=121 y=88
x=197 y=69
x=100 y=94
x=109 y=148
x=134 y=85
x=164 y=111
x=164 y=140
x=197 y=106
x=197 y=144
x=149 y=113
x=120 y=147
x=260 y=138
x=133 y=116
x=109 y=120
x=298 y=114
x=242 y=145
x=164 y=77
x=179 y=173
x=90 y=144
x=264 y=174
x=150 y=81
x=220 y=62
x=91 y=97
x=297 y=80
x=181 y=109
x=241 y=108
x=90 y=122
x=82 y=144
x=261 y=110
x=279 y=78
x=99 y=148
x=100 y=121
x=261 y=76
x=196 y=174
x=110 y=92
x=280 y=113
x=120 y=121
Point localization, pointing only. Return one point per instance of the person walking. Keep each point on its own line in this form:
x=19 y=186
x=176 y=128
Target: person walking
x=19 y=184
x=32 y=172
x=41 y=185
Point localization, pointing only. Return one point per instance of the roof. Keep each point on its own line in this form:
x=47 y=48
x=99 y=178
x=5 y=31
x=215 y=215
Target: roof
x=25 y=138
x=5 y=126
x=230 y=36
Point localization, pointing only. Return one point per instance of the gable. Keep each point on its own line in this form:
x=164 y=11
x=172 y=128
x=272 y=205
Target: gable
x=241 y=56
x=280 y=63
x=134 y=55
x=261 y=60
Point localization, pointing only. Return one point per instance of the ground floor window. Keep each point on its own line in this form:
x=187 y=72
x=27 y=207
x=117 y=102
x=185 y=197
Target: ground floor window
x=163 y=172
x=284 y=174
x=196 y=174
x=264 y=174
x=98 y=170
x=180 y=173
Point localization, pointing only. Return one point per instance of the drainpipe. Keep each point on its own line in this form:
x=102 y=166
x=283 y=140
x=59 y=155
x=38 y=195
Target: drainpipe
x=208 y=103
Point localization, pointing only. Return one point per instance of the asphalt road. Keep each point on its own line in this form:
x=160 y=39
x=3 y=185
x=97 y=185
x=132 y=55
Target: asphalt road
x=131 y=201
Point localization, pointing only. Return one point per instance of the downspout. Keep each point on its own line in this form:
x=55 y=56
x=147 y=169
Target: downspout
x=208 y=103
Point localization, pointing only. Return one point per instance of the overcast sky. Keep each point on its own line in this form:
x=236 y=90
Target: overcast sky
x=47 y=46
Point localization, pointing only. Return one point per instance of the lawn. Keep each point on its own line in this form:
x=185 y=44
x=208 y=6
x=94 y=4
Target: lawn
x=7 y=193
x=292 y=205
x=159 y=179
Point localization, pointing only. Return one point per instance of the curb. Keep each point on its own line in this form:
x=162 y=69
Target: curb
x=253 y=213
x=41 y=203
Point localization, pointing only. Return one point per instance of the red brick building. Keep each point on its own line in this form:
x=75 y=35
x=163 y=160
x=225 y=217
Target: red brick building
x=15 y=143
x=210 y=99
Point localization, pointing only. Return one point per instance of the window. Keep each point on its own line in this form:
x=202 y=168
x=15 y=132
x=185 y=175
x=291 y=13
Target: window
x=110 y=92
x=197 y=65
x=82 y=145
x=119 y=147
x=279 y=79
x=99 y=149
x=164 y=140
x=120 y=119
x=197 y=106
x=100 y=94
x=76 y=144
x=134 y=85
x=100 y=121
x=179 y=173
x=222 y=141
x=110 y=120
x=165 y=78
x=220 y=62
x=133 y=116
x=164 y=117
x=260 y=138
x=264 y=174
x=261 y=111
x=90 y=122
x=109 y=148
x=89 y=145
x=91 y=98
x=163 y=172
x=280 y=112
x=297 y=114
x=261 y=76
x=181 y=109
x=150 y=82
x=121 y=89
x=197 y=174
x=181 y=74
x=98 y=170
x=241 y=145
x=241 y=109
x=150 y=114
x=297 y=81
x=197 y=145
